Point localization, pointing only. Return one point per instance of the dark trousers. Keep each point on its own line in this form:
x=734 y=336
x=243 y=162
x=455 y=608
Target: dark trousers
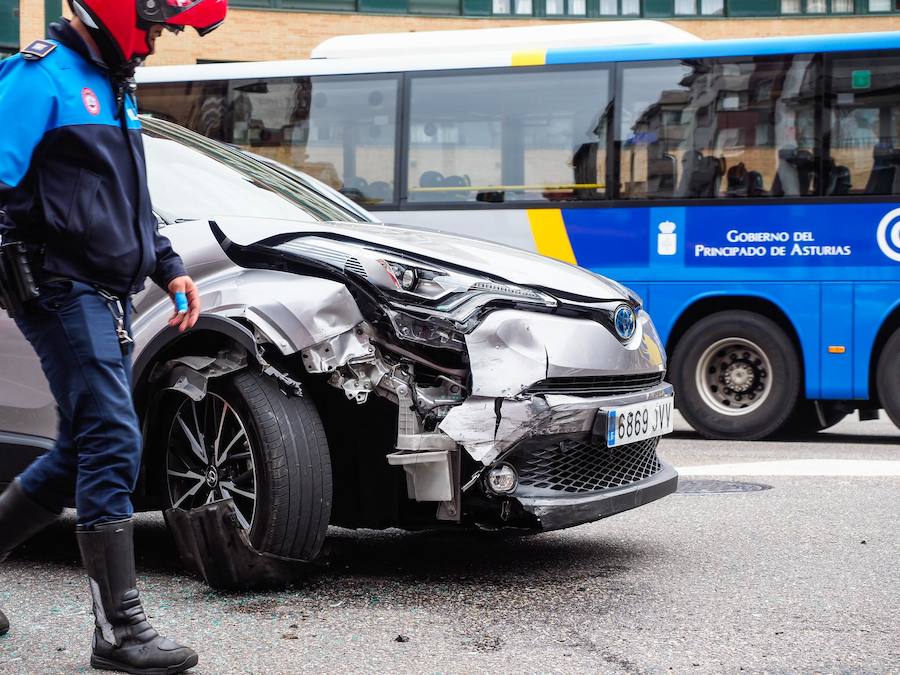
x=98 y=450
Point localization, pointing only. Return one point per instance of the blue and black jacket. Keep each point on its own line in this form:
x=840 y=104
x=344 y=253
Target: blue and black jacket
x=73 y=180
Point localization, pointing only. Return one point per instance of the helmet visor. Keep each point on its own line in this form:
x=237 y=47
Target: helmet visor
x=204 y=15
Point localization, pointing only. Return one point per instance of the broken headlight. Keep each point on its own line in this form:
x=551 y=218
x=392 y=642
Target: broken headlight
x=430 y=291
x=455 y=294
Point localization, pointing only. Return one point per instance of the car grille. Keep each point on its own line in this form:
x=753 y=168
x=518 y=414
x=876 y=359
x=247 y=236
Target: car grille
x=573 y=466
x=604 y=385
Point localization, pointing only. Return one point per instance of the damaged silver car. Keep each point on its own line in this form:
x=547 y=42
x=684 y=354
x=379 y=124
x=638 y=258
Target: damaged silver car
x=358 y=374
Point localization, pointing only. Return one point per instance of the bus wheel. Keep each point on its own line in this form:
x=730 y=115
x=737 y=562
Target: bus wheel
x=736 y=376
x=888 y=378
x=807 y=420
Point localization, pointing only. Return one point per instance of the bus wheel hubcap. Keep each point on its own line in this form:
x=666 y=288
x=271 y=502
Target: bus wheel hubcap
x=734 y=376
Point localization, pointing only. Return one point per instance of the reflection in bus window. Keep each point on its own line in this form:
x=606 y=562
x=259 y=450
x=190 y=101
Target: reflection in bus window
x=519 y=136
x=740 y=127
x=199 y=106
x=340 y=130
x=865 y=126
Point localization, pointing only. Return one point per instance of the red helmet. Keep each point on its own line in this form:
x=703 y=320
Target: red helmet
x=123 y=25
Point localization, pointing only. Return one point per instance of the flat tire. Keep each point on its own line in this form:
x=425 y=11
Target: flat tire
x=267 y=451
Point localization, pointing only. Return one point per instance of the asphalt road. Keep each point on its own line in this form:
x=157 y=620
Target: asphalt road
x=802 y=576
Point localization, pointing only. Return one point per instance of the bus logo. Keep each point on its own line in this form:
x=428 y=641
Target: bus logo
x=888 y=235
x=667 y=240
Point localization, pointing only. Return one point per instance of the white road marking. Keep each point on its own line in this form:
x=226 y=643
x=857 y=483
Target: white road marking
x=798 y=467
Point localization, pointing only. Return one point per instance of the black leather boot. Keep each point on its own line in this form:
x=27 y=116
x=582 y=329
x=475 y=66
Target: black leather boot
x=123 y=638
x=20 y=519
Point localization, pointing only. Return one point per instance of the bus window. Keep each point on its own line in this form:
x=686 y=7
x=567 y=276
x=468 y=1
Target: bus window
x=653 y=118
x=516 y=136
x=338 y=129
x=199 y=106
x=718 y=129
x=864 y=110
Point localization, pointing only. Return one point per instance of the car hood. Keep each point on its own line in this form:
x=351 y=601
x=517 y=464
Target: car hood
x=511 y=264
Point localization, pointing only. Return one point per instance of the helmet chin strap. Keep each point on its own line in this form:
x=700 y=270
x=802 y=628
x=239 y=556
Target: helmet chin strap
x=125 y=71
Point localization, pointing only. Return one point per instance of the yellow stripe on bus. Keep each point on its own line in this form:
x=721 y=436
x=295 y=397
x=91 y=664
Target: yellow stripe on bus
x=504 y=188
x=536 y=57
x=550 y=236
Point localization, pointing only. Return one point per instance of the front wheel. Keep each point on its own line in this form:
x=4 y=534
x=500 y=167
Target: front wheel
x=887 y=379
x=247 y=440
x=736 y=376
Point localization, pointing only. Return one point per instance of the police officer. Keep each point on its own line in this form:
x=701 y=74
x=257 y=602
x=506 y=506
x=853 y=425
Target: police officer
x=74 y=199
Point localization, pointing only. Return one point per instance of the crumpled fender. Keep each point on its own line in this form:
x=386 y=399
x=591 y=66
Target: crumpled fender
x=290 y=311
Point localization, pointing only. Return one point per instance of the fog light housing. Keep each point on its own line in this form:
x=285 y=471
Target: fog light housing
x=503 y=479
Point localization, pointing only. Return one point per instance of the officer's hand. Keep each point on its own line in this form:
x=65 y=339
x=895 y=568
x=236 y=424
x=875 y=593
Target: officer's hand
x=184 y=320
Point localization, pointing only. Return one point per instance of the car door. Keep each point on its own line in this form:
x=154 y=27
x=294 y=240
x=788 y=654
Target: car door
x=27 y=409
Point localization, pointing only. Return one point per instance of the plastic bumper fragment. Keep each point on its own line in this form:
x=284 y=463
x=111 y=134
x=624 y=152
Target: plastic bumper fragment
x=213 y=545
x=554 y=513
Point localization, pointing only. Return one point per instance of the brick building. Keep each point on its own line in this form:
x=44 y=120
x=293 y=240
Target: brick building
x=283 y=29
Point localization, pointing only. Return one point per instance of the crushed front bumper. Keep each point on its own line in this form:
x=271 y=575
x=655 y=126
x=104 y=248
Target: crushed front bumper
x=541 y=386
x=488 y=428
x=566 y=473
x=567 y=510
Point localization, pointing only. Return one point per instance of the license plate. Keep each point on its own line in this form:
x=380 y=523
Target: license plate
x=637 y=422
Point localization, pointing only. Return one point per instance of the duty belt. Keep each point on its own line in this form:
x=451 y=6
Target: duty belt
x=17 y=285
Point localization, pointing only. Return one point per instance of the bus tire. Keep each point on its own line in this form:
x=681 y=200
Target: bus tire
x=807 y=420
x=736 y=376
x=887 y=379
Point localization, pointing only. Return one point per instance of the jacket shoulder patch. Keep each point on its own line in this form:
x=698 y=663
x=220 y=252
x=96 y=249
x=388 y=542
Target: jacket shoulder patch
x=38 y=50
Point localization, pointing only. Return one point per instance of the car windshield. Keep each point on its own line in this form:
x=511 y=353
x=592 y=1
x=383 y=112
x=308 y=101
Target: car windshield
x=191 y=177
x=314 y=184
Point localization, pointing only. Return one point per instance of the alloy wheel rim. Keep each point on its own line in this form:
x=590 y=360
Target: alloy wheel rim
x=734 y=376
x=209 y=457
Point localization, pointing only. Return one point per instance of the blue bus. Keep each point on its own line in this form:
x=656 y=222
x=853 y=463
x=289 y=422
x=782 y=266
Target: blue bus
x=748 y=190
